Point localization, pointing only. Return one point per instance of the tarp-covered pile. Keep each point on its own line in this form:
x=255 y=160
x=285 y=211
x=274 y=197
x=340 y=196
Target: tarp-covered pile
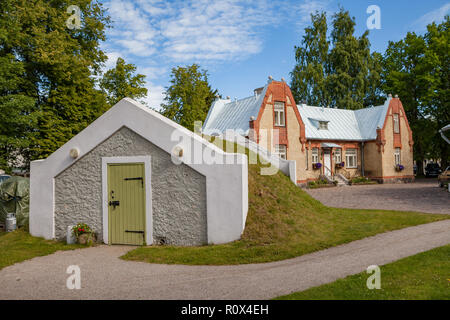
x=15 y=198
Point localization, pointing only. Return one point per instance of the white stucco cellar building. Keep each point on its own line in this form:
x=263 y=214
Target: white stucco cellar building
x=136 y=177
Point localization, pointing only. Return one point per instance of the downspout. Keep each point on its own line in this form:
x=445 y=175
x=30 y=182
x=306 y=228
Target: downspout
x=362 y=159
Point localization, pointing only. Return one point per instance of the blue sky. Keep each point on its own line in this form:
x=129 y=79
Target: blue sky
x=240 y=43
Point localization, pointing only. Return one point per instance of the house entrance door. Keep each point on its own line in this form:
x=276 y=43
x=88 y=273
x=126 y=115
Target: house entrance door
x=327 y=162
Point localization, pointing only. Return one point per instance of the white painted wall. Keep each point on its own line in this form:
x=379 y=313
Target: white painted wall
x=226 y=184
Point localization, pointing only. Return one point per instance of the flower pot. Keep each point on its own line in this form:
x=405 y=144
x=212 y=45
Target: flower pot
x=87 y=238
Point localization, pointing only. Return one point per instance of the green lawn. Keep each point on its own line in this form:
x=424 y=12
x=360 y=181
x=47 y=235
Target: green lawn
x=284 y=222
x=19 y=245
x=422 y=276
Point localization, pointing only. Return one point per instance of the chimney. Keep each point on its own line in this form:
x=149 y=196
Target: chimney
x=228 y=97
x=258 y=91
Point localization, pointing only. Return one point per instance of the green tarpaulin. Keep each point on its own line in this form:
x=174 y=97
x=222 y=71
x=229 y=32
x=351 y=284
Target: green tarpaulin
x=15 y=198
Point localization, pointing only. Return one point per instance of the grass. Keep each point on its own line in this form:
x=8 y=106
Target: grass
x=423 y=276
x=19 y=245
x=284 y=222
x=362 y=180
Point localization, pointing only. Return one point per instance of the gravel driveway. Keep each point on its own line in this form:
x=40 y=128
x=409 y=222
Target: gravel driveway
x=105 y=276
x=423 y=195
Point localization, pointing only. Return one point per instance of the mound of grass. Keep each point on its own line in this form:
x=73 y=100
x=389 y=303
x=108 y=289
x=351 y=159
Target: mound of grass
x=19 y=245
x=422 y=276
x=284 y=222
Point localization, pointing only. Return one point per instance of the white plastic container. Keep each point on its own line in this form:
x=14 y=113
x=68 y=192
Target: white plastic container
x=11 y=222
x=71 y=239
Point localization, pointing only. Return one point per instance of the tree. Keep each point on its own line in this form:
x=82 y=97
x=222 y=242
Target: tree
x=339 y=71
x=437 y=38
x=17 y=114
x=417 y=69
x=189 y=96
x=309 y=76
x=59 y=66
x=120 y=82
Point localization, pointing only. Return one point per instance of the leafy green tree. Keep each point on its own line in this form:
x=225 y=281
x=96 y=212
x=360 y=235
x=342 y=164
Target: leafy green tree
x=120 y=82
x=17 y=114
x=417 y=69
x=349 y=60
x=309 y=76
x=59 y=65
x=338 y=70
x=437 y=38
x=189 y=96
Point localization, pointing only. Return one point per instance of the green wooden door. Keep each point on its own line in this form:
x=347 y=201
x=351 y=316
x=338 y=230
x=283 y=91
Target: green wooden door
x=126 y=203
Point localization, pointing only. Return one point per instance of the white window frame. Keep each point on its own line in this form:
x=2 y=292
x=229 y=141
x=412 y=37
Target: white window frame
x=279 y=114
x=323 y=125
x=398 y=156
x=351 y=158
x=281 y=151
x=396 y=120
x=338 y=155
x=314 y=155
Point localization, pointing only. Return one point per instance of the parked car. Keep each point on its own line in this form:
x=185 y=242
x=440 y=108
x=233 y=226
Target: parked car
x=444 y=177
x=432 y=170
x=4 y=177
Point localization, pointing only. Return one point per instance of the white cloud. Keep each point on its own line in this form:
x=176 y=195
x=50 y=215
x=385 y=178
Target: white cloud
x=184 y=31
x=437 y=16
x=112 y=59
x=155 y=96
x=305 y=9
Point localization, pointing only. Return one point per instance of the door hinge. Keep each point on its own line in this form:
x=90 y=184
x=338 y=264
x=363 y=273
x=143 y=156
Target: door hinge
x=137 y=178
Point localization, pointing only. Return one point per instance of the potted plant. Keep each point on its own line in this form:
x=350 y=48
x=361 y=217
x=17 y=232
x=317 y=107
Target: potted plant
x=340 y=165
x=84 y=234
x=399 y=167
x=317 y=165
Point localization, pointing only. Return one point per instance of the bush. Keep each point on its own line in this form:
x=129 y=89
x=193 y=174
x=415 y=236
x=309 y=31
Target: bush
x=80 y=229
x=361 y=180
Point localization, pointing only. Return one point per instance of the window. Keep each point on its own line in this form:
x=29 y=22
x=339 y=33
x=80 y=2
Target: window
x=280 y=150
x=279 y=114
x=350 y=158
x=397 y=156
x=315 y=155
x=337 y=156
x=396 y=123
x=323 y=125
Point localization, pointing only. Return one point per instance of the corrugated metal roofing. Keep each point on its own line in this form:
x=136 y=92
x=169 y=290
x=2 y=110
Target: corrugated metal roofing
x=348 y=125
x=227 y=114
x=344 y=125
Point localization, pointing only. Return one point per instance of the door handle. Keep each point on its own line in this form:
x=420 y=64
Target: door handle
x=114 y=203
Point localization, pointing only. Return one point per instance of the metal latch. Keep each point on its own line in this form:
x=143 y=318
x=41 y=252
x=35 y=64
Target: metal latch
x=137 y=178
x=114 y=203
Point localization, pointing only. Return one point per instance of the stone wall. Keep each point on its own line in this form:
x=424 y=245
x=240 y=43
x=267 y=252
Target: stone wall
x=178 y=192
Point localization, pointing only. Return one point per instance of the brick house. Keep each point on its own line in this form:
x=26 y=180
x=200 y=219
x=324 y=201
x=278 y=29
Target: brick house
x=325 y=142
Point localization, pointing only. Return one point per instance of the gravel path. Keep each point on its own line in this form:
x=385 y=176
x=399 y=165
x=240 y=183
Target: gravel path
x=104 y=276
x=423 y=195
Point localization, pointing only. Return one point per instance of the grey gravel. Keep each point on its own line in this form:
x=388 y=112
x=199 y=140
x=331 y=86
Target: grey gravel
x=423 y=195
x=105 y=276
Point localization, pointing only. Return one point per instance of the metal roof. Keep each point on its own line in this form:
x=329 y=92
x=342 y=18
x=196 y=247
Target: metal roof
x=330 y=145
x=235 y=115
x=343 y=125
